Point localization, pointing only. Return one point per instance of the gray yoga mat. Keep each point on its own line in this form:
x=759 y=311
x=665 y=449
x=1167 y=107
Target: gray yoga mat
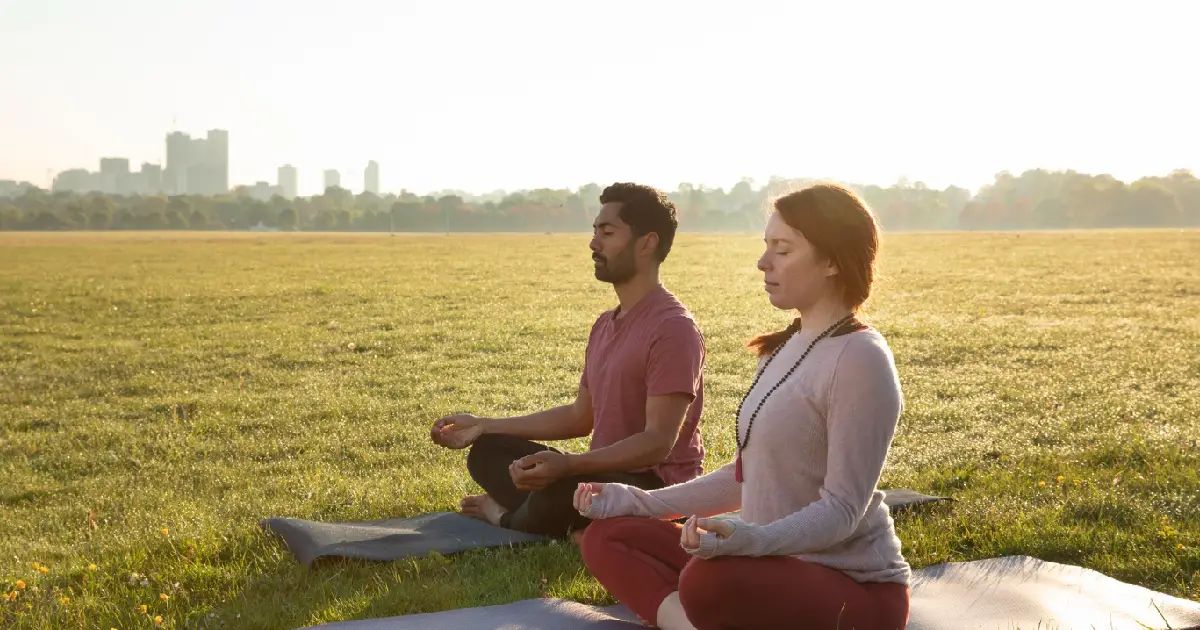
x=995 y=594
x=443 y=532
x=393 y=538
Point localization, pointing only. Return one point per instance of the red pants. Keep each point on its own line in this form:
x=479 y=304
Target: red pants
x=639 y=561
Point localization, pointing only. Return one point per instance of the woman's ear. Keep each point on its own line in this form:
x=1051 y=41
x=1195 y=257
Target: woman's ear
x=831 y=268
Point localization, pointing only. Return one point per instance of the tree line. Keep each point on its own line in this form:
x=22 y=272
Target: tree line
x=1036 y=199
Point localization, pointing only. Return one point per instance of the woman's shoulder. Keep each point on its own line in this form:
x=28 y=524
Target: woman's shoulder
x=865 y=348
x=866 y=371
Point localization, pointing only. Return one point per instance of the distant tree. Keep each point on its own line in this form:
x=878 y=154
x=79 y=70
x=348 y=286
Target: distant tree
x=324 y=221
x=287 y=220
x=126 y=220
x=10 y=217
x=177 y=220
x=197 y=220
x=1152 y=204
x=46 y=220
x=153 y=221
x=74 y=218
x=153 y=205
x=1034 y=199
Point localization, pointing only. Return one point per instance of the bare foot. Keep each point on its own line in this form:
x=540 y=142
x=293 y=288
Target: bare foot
x=482 y=507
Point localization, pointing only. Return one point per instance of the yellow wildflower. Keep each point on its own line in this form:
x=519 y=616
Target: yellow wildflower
x=158 y=620
x=1061 y=479
x=64 y=601
x=1041 y=484
x=34 y=566
x=142 y=609
x=164 y=531
x=91 y=567
x=43 y=569
x=1179 y=546
x=21 y=584
x=163 y=596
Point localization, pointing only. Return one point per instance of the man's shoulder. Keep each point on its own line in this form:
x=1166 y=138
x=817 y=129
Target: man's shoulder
x=676 y=326
x=604 y=317
x=671 y=307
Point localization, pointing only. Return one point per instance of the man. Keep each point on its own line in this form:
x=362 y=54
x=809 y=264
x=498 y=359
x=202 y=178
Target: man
x=640 y=395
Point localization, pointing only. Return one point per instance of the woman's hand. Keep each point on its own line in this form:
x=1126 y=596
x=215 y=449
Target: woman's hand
x=694 y=527
x=584 y=493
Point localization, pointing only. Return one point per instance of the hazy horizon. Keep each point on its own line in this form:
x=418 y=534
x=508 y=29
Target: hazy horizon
x=479 y=97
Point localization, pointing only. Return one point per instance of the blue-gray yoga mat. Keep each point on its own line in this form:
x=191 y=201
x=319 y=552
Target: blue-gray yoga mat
x=443 y=532
x=992 y=594
x=392 y=538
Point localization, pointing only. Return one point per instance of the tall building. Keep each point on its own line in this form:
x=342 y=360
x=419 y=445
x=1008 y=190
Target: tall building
x=333 y=179
x=179 y=158
x=288 y=181
x=197 y=166
x=152 y=178
x=217 y=161
x=371 y=183
x=114 y=175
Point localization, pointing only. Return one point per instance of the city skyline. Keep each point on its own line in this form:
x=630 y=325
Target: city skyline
x=939 y=92
x=194 y=166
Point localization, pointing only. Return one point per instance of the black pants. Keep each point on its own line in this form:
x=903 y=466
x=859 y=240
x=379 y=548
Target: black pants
x=549 y=511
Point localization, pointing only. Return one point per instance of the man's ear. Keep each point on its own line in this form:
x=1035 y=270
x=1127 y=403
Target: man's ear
x=649 y=245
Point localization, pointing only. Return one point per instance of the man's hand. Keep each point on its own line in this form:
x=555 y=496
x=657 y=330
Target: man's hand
x=457 y=431
x=534 y=472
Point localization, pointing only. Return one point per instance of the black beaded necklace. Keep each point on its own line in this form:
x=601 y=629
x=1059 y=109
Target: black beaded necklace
x=742 y=444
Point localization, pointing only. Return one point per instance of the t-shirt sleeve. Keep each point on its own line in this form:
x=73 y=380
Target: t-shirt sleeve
x=676 y=359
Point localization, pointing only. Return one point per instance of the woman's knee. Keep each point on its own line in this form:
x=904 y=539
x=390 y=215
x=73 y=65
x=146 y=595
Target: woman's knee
x=608 y=535
x=706 y=589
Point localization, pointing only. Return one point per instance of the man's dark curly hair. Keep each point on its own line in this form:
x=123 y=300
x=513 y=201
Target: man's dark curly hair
x=646 y=210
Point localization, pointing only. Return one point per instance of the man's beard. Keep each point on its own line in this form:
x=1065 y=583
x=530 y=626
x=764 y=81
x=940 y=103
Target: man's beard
x=620 y=270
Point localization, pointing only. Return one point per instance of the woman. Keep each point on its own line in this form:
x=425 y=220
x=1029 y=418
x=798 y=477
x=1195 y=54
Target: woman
x=815 y=546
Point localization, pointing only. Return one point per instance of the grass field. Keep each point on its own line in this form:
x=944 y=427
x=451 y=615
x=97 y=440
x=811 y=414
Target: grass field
x=162 y=393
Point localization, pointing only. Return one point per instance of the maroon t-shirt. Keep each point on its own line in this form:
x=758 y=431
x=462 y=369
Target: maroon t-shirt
x=652 y=350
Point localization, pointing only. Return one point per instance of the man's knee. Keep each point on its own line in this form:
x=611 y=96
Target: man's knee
x=551 y=512
x=481 y=456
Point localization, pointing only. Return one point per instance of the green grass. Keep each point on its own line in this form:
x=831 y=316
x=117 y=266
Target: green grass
x=202 y=382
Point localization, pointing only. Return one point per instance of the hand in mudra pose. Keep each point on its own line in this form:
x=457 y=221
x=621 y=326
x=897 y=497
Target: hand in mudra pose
x=457 y=431
x=693 y=528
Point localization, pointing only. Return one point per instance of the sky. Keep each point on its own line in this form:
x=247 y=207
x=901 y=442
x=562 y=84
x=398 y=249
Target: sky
x=488 y=95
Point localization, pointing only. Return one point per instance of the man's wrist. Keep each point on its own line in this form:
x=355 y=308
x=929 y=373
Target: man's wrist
x=572 y=464
x=486 y=425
